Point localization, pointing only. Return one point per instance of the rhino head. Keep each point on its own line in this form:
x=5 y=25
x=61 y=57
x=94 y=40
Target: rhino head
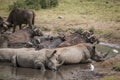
x=98 y=56
x=52 y=61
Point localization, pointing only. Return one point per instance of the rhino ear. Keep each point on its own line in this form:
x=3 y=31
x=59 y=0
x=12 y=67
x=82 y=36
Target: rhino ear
x=53 y=53
x=50 y=53
x=95 y=43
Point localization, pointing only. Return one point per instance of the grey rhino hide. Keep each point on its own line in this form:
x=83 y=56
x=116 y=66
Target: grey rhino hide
x=6 y=54
x=35 y=59
x=81 y=53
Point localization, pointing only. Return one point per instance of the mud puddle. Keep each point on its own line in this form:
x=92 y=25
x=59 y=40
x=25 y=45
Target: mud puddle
x=66 y=72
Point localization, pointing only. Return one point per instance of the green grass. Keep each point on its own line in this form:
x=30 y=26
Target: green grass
x=5 y=3
x=96 y=10
x=85 y=10
x=116 y=67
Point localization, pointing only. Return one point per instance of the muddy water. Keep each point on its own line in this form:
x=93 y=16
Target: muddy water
x=66 y=72
x=110 y=45
x=71 y=72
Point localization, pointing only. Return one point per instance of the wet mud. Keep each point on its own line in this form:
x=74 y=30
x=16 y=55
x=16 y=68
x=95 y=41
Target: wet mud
x=66 y=72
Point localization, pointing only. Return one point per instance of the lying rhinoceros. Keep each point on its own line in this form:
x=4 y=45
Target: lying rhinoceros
x=6 y=54
x=30 y=58
x=80 y=53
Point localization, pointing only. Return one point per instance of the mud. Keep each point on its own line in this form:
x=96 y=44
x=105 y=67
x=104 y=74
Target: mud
x=66 y=72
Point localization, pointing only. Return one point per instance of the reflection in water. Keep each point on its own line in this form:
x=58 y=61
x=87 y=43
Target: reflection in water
x=67 y=72
x=110 y=45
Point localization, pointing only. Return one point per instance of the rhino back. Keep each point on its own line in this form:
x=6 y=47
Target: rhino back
x=74 y=54
x=6 y=54
x=71 y=55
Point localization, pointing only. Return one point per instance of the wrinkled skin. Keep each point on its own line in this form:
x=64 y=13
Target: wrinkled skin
x=81 y=53
x=30 y=58
x=19 y=17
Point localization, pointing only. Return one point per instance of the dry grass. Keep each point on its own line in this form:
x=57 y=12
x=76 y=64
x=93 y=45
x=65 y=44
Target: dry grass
x=111 y=78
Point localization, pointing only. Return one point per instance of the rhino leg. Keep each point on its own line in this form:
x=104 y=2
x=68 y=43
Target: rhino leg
x=14 y=61
x=87 y=61
x=38 y=64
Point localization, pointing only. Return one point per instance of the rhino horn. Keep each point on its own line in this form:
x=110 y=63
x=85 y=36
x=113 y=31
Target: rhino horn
x=106 y=54
x=51 y=55
x=58 y=65
x=95 y=43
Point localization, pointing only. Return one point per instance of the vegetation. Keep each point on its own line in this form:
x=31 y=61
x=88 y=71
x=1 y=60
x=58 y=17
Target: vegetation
x=116 y=67
x=92 y=29
x=34 y=4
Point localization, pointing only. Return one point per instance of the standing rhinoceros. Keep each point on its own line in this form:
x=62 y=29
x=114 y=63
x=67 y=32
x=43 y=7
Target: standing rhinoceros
x=19 y=17
x=80 y=53
x=30 y=58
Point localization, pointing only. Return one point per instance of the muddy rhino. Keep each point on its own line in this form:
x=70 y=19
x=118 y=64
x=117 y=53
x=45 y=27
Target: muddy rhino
x=81 y=53
x=30 y=58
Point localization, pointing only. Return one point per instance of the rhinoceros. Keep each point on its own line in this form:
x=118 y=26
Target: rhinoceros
x=81 y=53
x=6 y=54
x=30 y=58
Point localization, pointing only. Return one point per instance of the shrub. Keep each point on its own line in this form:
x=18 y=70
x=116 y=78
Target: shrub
x=17 y=4
x=34 y=4
x=92 y=29
x=116 y=67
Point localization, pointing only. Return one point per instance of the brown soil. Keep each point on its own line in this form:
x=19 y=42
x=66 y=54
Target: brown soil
x=109 y=63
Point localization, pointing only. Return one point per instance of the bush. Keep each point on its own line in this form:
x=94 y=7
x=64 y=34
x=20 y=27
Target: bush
x=116 y=67
x=34 y=4
x=92 y=30
x=17 y=4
